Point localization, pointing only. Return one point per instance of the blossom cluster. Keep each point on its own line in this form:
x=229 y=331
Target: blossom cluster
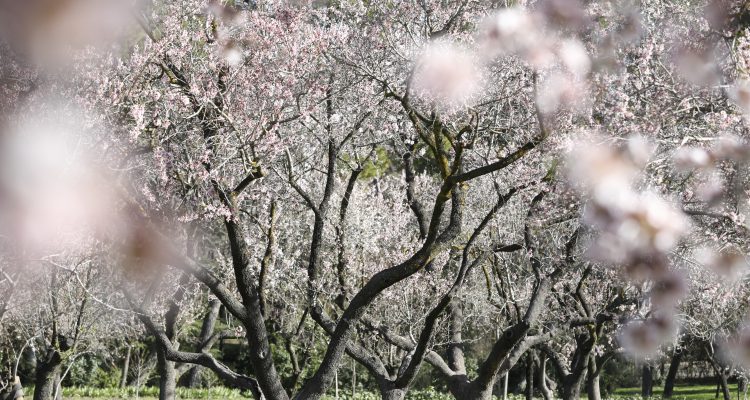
x=635 y=231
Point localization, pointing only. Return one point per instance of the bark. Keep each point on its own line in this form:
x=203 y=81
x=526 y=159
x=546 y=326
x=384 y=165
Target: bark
x=48 y=376
x=674 y=366
x=592 y=384
x=388 y=391
x=647 y=381
x=721 y=373
x=126 y=368
x=167 y=377
x=723 y=382
x=505 y=386
x=530 y=376
x=571 y=390
x=455 y=347
x=741 y=386
x=465 y=390
x=573 y=379
x=396 y=394
x=15 y=392
x=546 y=392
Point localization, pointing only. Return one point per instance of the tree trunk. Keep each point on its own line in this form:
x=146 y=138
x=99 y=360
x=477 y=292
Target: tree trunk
x=741 y=386
x=167 y=377
x=592 y=383
x=530 y=375
x=674 y=366
x=546 y=392
x=505 y=386
x=463 y=389
x=393 y=394
x=721 y=373
x=207 y=329
x=647 y=381
x=354 y=379
x=126 y=368
x=48 y=376
x=571 y=390
x=724 y=386
x=15 y=392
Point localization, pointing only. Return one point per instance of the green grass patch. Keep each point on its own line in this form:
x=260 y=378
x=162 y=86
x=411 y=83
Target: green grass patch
x=681 y=392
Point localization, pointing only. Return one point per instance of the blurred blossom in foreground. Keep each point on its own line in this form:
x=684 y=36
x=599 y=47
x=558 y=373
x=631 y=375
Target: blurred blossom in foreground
x=689 y=158
x=732 y=148
x=49 y=31
x=145 y=251
x=559 y=91
x=740 y=94
x=509 y=31
x=53 y=196
x=696 y=67
x=446 y=76
x=228 y=19
x=601 y=168
x=642 y=339
x=727 y=148
x=635 y=230
x=668 y=290
x=564 y=14
x=737 y=347
x=729 y=263
x=574 y=57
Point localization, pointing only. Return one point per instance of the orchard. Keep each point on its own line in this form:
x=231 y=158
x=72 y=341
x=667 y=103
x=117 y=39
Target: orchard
x=396 y=199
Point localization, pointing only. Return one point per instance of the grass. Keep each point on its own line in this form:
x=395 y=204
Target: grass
x=149 y=393
x=152 y=393
x=681 y=392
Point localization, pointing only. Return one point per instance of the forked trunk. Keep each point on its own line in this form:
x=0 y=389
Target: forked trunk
x=48 y=376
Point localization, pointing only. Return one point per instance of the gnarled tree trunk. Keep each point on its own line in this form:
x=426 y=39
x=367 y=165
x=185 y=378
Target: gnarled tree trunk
x=167 y=377
x=47 y=378
x=390 y=392
x=571 y=390
x=674 y=366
